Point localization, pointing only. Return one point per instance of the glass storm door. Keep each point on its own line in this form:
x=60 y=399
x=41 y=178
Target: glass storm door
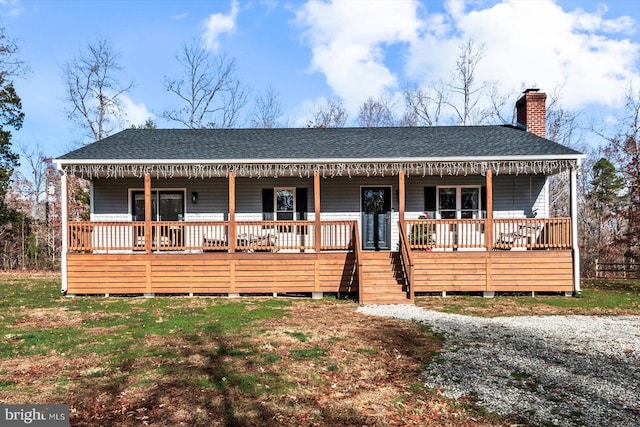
x=376 y=218
x=138 y=206
x=285 y=203
x=170 y=208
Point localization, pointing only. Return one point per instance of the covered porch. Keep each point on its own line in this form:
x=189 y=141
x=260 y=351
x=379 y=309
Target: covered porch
x=234 y=257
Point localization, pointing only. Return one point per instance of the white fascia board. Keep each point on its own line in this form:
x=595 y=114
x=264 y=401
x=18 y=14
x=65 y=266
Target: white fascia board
x=61 y=162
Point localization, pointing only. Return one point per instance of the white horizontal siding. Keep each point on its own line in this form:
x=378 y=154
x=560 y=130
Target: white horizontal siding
x=514 y=196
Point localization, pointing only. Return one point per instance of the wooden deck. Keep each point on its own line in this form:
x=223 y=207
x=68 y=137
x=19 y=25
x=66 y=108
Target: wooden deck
x=211 y=273
x=434 y=256
x=494 y=271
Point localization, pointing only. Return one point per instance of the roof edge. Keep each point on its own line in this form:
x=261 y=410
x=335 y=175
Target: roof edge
x=60 y=161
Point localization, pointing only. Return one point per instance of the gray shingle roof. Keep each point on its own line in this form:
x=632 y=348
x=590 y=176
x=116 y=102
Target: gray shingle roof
x=318 y=144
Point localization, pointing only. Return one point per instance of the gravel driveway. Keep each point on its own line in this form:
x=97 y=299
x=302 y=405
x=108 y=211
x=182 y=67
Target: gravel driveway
x=550 y=370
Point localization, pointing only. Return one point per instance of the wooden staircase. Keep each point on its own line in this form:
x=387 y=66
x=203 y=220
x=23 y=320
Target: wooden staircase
x=382 y=279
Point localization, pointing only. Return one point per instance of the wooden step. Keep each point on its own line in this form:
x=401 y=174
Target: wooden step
x=382 y=280
x=385 y=299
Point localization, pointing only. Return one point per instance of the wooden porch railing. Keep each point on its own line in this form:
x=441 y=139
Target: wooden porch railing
x=532 y=233
x=512 y=233
x=406 y=259
x=86 y=236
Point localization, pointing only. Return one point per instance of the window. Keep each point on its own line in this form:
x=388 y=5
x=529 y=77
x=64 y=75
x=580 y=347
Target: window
x=455 y=202
x=470 y=202
x=284 y=203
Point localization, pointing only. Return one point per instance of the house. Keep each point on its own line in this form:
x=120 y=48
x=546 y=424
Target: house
x=384 y=212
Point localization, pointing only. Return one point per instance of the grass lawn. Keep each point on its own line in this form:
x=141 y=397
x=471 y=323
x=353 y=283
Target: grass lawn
x=217 y=362
x=598 y=297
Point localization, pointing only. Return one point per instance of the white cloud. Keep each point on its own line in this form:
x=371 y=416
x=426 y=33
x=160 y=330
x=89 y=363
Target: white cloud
x=348 y=41
x=527 y=42
x=11 y=8
x=218 y=24
x=536 y=42
x=136 y=114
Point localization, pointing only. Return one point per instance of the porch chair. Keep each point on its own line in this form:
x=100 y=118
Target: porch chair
x=521 y=238
x=253 y=242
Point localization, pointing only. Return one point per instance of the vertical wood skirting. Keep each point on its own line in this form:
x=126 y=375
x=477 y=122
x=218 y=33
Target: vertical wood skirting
x=488 y=231
x=316 y=209
x=232 y=212
x=401 y=196
x=64 y=187
x=147 y=213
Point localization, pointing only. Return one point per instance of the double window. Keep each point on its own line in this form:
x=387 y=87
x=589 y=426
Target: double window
x=454 y=202
x=284 y=203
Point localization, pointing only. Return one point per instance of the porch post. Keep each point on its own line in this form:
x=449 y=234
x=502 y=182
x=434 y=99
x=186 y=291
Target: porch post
x=574 y=229
x=65 y=228
x=316 y=209
x=488 y=230
x=232 y=212
x=401 y=196
x=148 y=235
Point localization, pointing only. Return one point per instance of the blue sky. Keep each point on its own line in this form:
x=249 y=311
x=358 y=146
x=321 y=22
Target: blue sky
x=308 y=51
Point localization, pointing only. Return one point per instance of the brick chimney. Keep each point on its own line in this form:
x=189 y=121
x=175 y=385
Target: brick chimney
x=532 y=112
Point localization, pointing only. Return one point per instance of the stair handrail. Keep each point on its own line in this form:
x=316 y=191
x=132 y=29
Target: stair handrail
x=358 y=261
x=406 y=257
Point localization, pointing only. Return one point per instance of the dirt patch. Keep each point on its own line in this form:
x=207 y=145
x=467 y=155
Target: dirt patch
x=35 y=377
x=46 y=318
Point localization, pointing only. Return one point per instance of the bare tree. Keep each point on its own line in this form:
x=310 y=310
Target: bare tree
x=464 y=86
x=501 y=108
x=210 y=94
x=463 y=97
x=330 y=115
x=93 y=89
x=268 y=110
x=376 y=113
x=11 y=65
x=623 y=149
x=563 y=127
x=34 y=183
x=423 y=107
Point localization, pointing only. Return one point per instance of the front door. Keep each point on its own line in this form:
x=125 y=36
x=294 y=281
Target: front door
x=376 y=218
